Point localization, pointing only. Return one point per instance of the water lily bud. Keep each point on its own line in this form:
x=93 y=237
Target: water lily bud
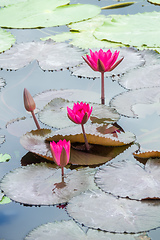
x=29 y=103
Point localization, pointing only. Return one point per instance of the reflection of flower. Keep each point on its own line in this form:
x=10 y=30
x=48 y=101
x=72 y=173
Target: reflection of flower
x=80 y=115
x=102 y=62
x=60 y=152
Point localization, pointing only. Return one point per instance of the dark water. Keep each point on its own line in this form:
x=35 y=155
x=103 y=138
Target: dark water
x=17 y=220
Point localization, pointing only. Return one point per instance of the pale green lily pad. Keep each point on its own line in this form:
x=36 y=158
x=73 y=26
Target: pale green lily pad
x=3 y=199
x=99 y=210
x=57 y=110
x=75 y=95
x=69 y=230
x=35 y=142
x=140 y=102
x=132 y=59
x=81 y=34
x=10 y=2
x=50 y=55
x=127 y=30
x=156 y=2
x=42 y=184
x=6 y=40
x=131 y=179
x=38 y=13
x=4 y=157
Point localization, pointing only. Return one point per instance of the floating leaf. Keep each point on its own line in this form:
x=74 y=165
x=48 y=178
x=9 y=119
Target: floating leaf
x=4 y=157
x=6 y=40
x=146 y=155
x=10 y=2
x=127 y=30
x=5 y=200
x=81 y=34
x=100 y=210
x=140 y=102
x=42 y=184
x=94 y=135
x=38 y=13
x=156 y=2
x=50 y=55
x=44 y=98
x=118 y=5
x=69 y=230
x=35 y=142
x=131 y=179
x=132 y=59
x=57 y=109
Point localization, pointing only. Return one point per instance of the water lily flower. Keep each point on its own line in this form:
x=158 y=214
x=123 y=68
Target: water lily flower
x=30 y=105
x=80 y=115
x=61 y=153
x=102 y=62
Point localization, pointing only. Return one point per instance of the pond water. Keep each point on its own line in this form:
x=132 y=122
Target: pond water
x=17 y=220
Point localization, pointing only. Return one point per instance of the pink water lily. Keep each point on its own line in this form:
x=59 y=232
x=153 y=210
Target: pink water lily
x=80 y=115
x=61 y=153
x=102 y=62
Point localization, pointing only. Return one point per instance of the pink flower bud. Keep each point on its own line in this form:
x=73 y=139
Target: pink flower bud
x=28 y=101
x=60 y=152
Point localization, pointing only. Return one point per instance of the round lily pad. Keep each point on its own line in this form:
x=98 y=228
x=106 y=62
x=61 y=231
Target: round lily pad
x=156 y=2
x=6 y=40
x=50 y=55
x=69 y=230
x=131 y=179
x=138 y=101
x=127 y=30
x=132 y=59
x=99 y=210
x=38 y=13
x=10 y=2
x=57 y=109
x=42 y=184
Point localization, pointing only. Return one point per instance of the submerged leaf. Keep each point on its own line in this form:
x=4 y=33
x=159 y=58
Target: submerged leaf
x=69 y=230
x=49 y=54
x=131 y=179
x=42 y=184
x=57 y=109
x=4 y=157
x=38 y=13
x=99 y=210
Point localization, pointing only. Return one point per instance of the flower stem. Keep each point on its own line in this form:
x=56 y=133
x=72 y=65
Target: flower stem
x=85 y=138
x=62 y=168
x=35 y=120
x=102 y=88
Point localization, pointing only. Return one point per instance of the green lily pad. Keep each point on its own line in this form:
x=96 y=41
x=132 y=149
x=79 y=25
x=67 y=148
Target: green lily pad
x=156 y=2
x=38 y=13
x=81 y=34
x=127 y=30
x=118 y=5
x=99 y=210
x=132 y=59
x=3 y=199
x=69 y=230
x=42 y=184
x=140 y=102
x=6 y=40
x=10 y=2
x=35 y=142
x=4 y=157
x=57 y=109
x=131 y=179
x=49 y=54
